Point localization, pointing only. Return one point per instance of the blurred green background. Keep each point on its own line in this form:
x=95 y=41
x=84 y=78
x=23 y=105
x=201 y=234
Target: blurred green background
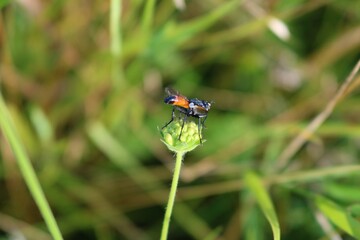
x=86 y=90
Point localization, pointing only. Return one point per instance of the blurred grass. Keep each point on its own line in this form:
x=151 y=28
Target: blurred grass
x=11 y=135
x=84 y=81
x=262 y=197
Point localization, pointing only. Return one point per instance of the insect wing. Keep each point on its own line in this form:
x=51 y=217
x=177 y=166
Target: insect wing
x=172 y=92
x=200 y=110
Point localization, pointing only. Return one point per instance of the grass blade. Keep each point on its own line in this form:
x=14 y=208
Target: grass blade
x=340 y=217
x=148 y=16
x=116 y=41
x=27 y=171
x=115 y=33
x=262 y=197
x=189 y=29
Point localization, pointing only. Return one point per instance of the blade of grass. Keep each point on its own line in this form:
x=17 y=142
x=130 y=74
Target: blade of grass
x=9 y=223
x=210 y=189
x=27 y=170
x=148 y=16
x=326 y=226
x=185 y=31
x=214 y=234
x=238 y=32
x=115 y=38
x=115 y=33
x=41 y=124
x=338 y=216
x=300 y=139
x=256 y=186
x=103 y=210
x=344 y=192
x=253 y=227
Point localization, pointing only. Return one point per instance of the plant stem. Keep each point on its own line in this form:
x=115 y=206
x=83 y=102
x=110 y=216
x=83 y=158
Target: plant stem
x=116 y=42
x=115 y=18
x=170 y=204
x=27 y=170
x=148 y=16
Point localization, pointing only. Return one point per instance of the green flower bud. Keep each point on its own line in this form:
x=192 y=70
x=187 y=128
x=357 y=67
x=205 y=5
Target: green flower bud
x=189 y=138
x=168 y=139
x=183 y=138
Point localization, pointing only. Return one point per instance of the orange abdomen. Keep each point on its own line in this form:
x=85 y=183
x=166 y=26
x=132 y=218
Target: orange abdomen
x=178 y=101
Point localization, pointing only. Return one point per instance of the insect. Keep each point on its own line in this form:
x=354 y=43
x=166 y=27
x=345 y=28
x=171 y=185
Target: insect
x=189 y=107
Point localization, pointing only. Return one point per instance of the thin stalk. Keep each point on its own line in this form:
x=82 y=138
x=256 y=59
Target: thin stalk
x=303 y=136
x=115 y=18
x=27 y=170
x=170 y=204
x=148 y=16
x=115 y=38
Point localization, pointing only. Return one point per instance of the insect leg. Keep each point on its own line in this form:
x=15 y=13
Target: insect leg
x=203 y=122
x=184 y=120
x=172 y=118
x=199 y=130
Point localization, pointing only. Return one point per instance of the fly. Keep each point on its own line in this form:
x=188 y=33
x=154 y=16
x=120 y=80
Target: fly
x=189 y=107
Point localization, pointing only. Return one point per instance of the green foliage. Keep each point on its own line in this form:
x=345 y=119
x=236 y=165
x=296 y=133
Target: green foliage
x=83 y=82
x=263 y=199
x=3 y=3
x=339 y=216
x=10 y=133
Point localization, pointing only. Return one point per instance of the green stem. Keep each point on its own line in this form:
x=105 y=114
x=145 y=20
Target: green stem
x=148 y=16
x=27 y=170
x=116 y=44
x=170 y=204
x=115 y=18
